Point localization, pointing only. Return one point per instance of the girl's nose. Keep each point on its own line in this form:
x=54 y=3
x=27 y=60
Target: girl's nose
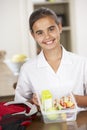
x=47 y=35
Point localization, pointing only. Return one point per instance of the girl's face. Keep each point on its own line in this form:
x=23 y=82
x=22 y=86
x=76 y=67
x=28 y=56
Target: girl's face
x=47 y=33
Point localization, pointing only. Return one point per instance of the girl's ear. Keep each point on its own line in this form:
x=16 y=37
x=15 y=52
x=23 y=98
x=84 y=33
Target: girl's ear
x=31 y=34
x=60 y=27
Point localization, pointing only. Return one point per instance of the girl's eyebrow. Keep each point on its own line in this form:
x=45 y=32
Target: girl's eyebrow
x=51 y=26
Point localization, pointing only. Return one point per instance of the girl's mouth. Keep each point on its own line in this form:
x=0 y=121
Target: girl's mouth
x=49 y=42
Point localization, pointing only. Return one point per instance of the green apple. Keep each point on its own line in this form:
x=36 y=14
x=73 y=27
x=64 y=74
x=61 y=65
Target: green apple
x=51 y=114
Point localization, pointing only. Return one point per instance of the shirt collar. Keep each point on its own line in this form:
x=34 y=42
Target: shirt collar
x=41 y=60
x=65 y=58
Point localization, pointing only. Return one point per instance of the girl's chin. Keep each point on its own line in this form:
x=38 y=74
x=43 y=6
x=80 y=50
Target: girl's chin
x=49 y=48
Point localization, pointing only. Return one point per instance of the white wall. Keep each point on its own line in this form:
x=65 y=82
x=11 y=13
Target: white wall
x=14 y=29
x=81 y=26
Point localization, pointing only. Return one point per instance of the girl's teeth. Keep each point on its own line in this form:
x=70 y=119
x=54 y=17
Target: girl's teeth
x=49 y=42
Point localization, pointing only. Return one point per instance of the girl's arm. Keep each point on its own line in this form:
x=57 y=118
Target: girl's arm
x=81 y=100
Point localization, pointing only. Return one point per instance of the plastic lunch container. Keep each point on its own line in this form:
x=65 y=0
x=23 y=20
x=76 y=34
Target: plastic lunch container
x=52 y=115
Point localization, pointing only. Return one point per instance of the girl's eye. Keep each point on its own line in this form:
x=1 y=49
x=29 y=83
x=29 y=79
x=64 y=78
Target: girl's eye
x=52 y=28
x=39 y=33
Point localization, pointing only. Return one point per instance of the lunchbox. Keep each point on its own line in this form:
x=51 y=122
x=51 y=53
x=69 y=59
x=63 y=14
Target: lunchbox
x=52 y=115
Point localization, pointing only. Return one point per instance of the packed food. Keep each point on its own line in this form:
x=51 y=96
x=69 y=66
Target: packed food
x=56 y=109
x=48 y=103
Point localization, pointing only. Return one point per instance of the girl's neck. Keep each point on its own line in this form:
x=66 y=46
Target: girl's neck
x=52 y=55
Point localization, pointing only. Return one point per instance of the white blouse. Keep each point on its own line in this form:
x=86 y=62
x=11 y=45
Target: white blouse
x=37 y=75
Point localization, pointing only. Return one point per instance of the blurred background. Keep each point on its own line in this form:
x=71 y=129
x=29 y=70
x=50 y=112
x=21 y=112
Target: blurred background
x=15 y=37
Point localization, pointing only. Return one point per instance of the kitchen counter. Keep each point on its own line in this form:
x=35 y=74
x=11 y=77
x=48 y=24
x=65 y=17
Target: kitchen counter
x=7 y=79
x=79 y=124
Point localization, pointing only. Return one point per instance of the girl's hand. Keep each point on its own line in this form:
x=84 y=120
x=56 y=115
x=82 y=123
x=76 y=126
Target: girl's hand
x=34 y=99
